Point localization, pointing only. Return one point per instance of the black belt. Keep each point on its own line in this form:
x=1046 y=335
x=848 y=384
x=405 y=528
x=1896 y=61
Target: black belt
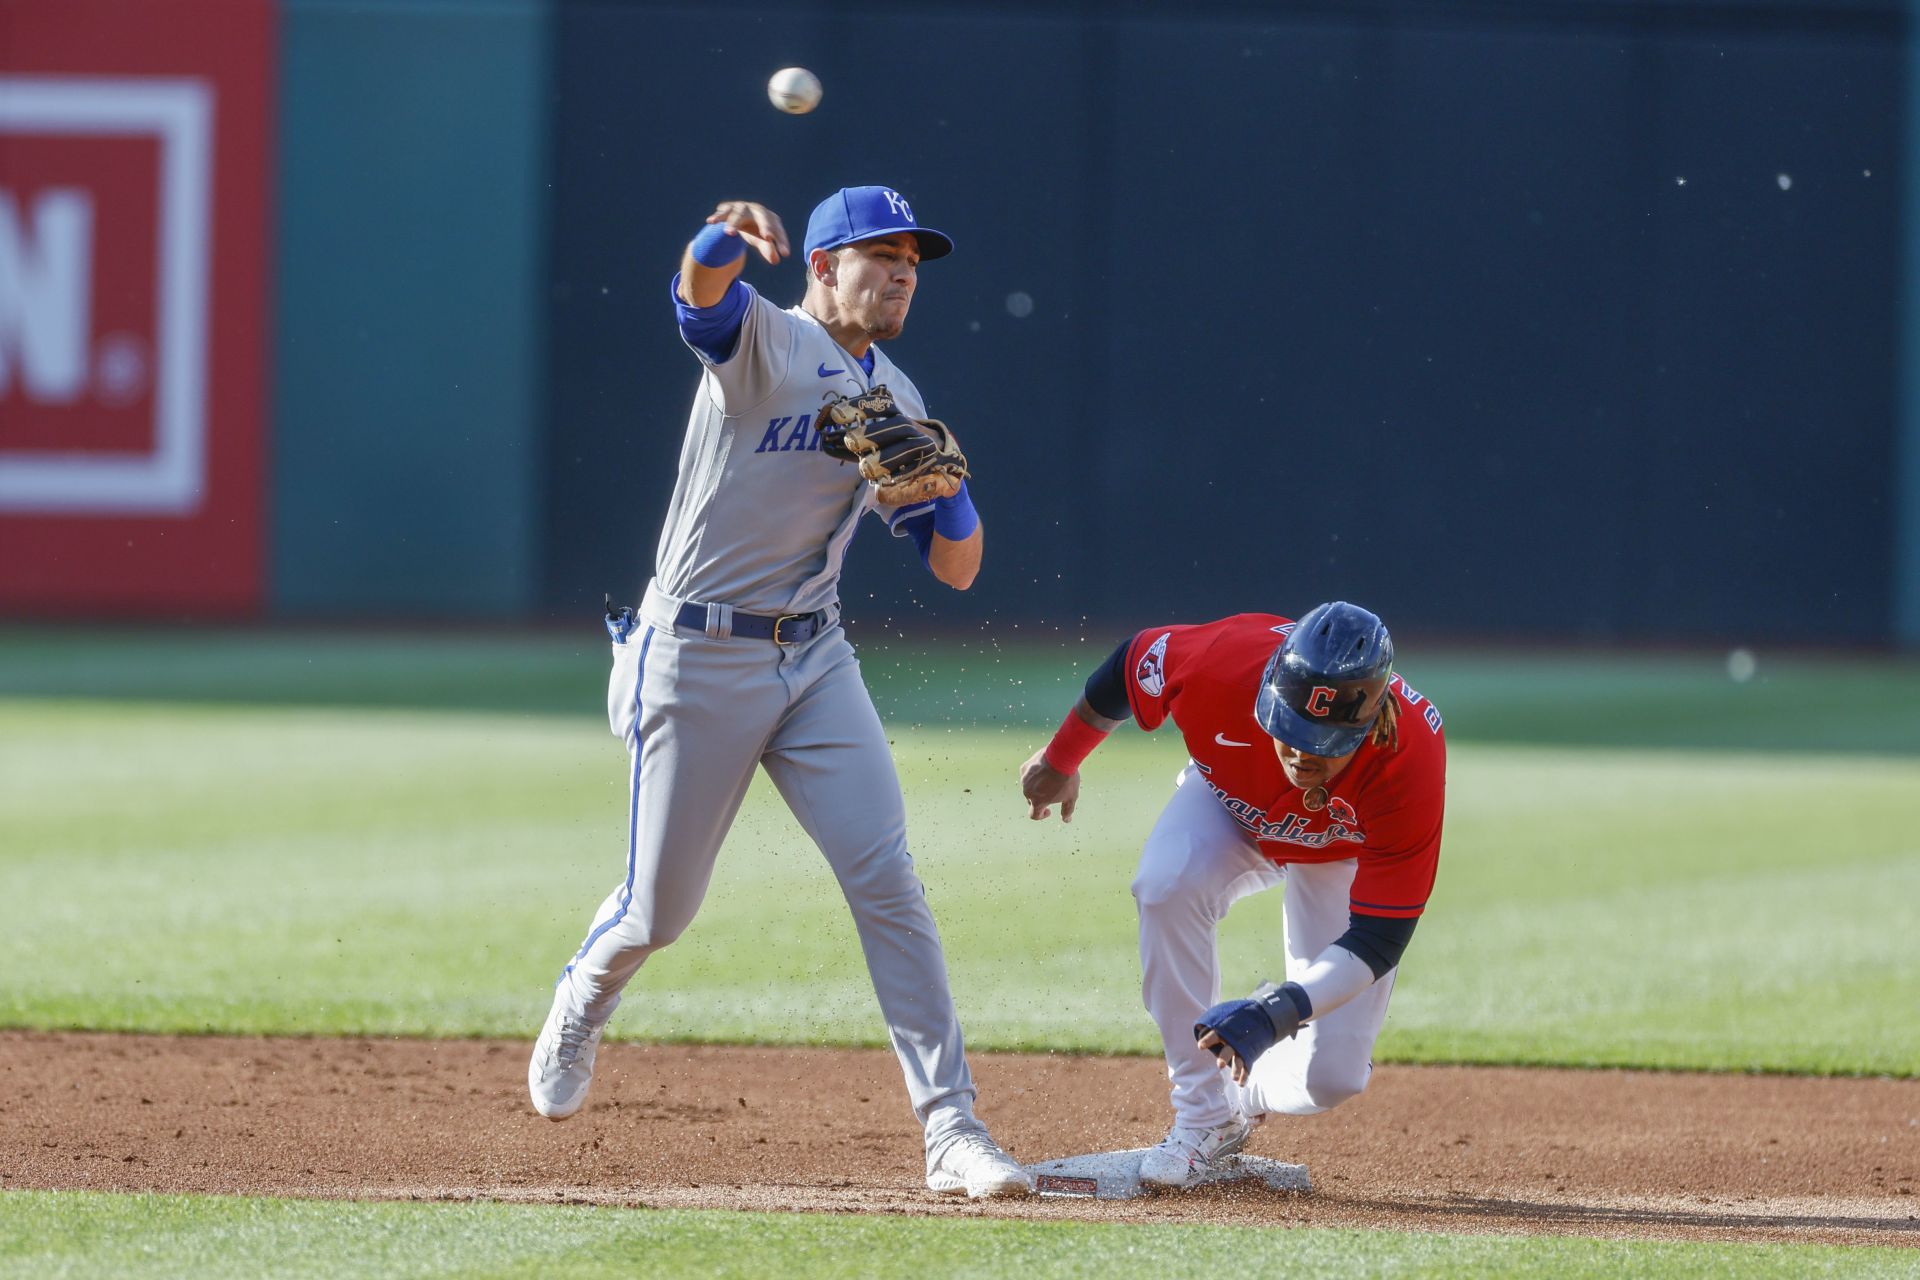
x=789 y=628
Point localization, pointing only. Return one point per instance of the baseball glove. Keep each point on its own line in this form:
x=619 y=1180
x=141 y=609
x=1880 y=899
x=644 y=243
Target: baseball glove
x=899 y=454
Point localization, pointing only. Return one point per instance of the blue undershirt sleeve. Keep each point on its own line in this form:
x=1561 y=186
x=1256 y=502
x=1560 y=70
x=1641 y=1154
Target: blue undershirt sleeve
x=919 y=527
x=713 y=331
x=1106 y=690
x=1378 y=940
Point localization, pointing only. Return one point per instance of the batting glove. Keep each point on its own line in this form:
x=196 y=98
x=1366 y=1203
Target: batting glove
x=1252 y=1026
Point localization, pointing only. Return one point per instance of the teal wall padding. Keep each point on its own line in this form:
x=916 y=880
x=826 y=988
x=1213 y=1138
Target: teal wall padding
x=410 y=253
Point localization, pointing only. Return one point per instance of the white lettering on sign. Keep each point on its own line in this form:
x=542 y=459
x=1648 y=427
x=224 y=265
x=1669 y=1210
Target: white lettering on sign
x=48 y=255
x=46 y=288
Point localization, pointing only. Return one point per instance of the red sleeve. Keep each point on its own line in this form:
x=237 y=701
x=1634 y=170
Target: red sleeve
x=1397 y=881
x=1225 y=654
x=1157 y=661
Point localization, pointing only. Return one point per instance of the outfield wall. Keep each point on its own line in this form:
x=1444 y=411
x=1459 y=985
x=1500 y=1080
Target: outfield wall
x=1581 y=320
x=408 y=413
x=1507 y=319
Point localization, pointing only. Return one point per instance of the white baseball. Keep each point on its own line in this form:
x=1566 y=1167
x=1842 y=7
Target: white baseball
x=795 y=90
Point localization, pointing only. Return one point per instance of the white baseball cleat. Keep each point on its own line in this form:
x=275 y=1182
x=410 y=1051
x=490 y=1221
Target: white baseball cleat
x=1187 y=1156
x=561 y=1069
x=972 y=1162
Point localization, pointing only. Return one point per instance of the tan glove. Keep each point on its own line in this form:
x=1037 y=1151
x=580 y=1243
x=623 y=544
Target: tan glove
x=899 y=454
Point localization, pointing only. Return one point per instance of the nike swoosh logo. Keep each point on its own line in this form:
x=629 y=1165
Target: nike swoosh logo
x=1225 y=741
x=828 y=373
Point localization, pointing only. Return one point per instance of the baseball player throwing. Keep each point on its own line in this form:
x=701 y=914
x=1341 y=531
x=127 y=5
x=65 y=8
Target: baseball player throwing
x=735 y=659
x=1312 y=765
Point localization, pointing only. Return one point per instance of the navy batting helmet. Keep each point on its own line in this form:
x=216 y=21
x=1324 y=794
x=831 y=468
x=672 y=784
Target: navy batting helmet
x=1324 y=687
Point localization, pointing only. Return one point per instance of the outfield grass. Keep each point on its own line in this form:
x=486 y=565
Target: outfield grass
x=85 y=1234
x=303 y=834
x=1791 y=702
x=185 y=863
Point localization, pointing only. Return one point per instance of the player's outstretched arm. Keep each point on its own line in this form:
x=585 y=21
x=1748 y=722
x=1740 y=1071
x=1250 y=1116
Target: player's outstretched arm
x=1052 y=774
x=1365 y=953
x=1237 y=1032
x=714 y=258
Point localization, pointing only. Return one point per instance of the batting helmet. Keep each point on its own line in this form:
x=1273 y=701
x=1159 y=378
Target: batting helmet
x=1324 y=686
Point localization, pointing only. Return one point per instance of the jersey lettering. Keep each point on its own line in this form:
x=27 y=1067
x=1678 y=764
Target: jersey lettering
x=798 y=440
x=1414 y=698
x=778 y=439
x=770 y=442
x=1291 y=829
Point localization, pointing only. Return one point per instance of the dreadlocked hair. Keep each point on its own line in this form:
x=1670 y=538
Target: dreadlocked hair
x=1386 y=726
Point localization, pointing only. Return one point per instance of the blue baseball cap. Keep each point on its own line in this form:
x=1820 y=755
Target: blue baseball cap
x=863 y=213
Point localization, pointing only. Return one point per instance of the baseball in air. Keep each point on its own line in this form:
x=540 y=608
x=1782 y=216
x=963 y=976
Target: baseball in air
x=795 y=90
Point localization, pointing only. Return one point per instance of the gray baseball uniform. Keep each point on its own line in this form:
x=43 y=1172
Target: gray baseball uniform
x=759 y=524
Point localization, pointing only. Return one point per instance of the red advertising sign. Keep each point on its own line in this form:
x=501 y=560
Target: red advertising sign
x=133 y=264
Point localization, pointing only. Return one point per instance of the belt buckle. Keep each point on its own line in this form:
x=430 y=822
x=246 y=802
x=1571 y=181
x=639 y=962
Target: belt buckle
x=783 y=620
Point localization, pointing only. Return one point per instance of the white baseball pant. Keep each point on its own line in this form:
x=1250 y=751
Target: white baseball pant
x=1196 y=864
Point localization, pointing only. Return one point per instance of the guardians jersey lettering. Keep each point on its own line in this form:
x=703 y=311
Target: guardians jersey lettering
x=1292 y=830
x=1384 y=809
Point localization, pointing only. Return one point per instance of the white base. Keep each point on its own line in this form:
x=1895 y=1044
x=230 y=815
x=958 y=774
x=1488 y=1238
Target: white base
x=1115 y=1175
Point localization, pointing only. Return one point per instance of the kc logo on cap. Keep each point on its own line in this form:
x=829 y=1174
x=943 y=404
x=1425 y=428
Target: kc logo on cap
x=866 y=213
x=898 y=203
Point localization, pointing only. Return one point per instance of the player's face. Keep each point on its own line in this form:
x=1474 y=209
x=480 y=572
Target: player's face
x=874 y=283
x=1304 y=770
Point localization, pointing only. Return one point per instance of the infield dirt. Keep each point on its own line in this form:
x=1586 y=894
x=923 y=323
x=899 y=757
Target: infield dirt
x=1604 y=1153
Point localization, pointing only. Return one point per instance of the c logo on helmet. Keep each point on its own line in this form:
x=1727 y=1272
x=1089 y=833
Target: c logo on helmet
x=1320 y=701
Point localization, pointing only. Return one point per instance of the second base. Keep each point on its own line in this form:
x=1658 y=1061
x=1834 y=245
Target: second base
x=1115 y=1175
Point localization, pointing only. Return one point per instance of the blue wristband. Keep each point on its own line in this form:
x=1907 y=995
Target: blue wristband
x=954 y=518
x=713 y=247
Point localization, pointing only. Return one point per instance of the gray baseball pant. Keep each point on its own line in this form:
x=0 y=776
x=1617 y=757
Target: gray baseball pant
x=698 y=713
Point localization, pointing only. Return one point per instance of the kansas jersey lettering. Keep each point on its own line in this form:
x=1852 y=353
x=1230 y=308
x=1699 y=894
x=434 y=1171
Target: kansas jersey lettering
x=754 y=487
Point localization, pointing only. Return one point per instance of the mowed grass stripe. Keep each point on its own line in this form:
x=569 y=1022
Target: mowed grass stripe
x=62 y=1234
x=1790 y=702
x=292 y=870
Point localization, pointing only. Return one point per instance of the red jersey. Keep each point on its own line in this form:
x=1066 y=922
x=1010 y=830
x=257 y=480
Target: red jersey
x=1384 y=808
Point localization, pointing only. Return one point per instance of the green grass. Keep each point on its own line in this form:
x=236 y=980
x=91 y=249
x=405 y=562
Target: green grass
x=190 y=867
x=1788 y=701
x=128 y=1237
x=308 y=833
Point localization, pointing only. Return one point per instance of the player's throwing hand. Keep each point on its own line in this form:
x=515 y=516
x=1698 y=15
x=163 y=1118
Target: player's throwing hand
x=753 y=222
